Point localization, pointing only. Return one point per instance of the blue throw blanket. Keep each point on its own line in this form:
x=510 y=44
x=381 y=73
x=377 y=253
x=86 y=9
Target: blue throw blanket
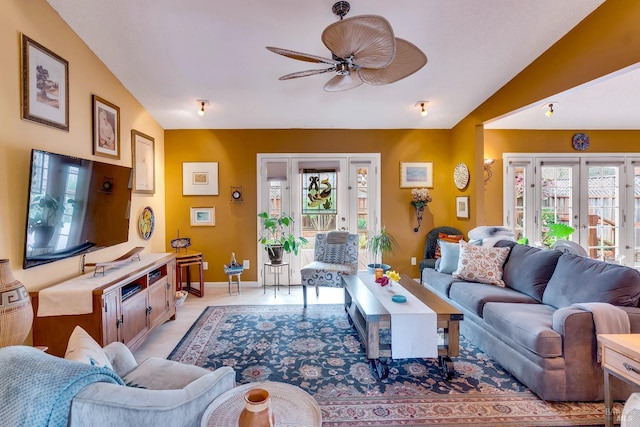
x=37 y=388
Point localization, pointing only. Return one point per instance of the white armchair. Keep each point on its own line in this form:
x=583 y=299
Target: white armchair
x=335 y=255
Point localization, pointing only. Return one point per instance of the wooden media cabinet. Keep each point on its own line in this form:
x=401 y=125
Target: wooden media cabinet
x=127 y=304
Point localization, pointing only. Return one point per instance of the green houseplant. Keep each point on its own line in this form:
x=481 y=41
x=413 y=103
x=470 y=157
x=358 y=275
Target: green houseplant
x=378 y=245
x=276 y=237
x=44 y=215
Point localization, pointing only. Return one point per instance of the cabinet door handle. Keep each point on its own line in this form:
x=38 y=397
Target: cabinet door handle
x=631 y=368
x=149 y=310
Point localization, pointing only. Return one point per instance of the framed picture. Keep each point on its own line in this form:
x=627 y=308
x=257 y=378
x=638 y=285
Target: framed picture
x=144 y=177
x=462 y=207
x=416 y=175
x=106 y=128
x=203 y=217
x=45 y=86
x=200 y=178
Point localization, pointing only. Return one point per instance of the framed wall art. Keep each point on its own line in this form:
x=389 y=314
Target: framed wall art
x=462 y=207
x=414 y=175
x=45 y=86
x=203 y=217
x=200 y=179
x=106 y=128
x=144 y=178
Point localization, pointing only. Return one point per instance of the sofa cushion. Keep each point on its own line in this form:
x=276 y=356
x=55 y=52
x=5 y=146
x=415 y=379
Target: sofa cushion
x=579 y=279
x=450 y=253
x=481 y=264
x=439 y=282
x=530 y=325
x=474 y=296
x=442 y=237
x=83 y=348
x=529 y=269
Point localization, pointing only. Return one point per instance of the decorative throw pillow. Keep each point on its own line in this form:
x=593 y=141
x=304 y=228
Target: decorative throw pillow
x=442 y=237
x=83 y=348
x=334 y=253
x=481 y=264
x=449 y=261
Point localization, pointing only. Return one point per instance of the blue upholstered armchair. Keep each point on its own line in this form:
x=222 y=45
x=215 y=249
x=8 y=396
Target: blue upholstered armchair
x=335 y=255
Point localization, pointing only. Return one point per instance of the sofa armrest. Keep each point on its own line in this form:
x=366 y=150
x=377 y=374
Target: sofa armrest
x=121 y=358
x=634 y=318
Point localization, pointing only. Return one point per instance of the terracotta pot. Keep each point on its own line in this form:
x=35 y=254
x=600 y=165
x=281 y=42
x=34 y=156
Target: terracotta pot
x=257 y=411
x=16 y=314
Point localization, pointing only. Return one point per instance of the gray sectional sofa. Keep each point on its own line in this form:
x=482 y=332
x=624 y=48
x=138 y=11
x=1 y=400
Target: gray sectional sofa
x=531 y=326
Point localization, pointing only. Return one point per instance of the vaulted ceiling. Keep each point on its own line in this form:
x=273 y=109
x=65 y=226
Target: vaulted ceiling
x=169 y=54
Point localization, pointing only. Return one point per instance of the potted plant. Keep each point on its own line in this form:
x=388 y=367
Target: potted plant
x=44 y=216
x=378 y=245
x=277 y=238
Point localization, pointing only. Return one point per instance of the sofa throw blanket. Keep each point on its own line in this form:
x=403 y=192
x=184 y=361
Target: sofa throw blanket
x=607 y=319
x=37 y=388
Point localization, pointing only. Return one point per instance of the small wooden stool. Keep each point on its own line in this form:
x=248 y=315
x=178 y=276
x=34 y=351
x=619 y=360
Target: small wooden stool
x=233 y=271
x=186 y=260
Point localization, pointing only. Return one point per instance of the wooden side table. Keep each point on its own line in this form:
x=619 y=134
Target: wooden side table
x=620 y=358
x=186 y=260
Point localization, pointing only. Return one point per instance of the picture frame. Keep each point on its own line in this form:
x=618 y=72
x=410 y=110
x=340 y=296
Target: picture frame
x=203 y=217
x=462 y=207
x=200 y=179
x=143 y=151
x=45 y=86
x=413 y=175
x=106 y=128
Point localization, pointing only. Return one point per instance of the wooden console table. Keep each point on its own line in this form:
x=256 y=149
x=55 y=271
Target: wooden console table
x=126 y=304
x=187 y=260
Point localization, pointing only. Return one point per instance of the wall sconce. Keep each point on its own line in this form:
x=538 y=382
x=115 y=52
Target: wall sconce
x=423 y=111
x=549 y=112
x=487 y=168
x=202 y=102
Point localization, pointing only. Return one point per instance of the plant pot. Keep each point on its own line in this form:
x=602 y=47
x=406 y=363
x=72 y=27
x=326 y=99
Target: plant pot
x=42 y=236
x=275 y=253
x=372 y=267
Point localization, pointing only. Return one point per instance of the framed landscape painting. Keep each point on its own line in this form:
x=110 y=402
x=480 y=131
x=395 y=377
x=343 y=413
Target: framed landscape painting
x=200 y=178
x=45 y=86
x=203 y=217
x=106 y=128
x=413 y=175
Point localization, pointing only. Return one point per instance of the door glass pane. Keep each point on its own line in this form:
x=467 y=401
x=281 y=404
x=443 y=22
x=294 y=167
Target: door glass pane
x=556 y=200
x=520 y=208
x=363 y=215
x=604 y=213
x=636 y=216
x=319 y=207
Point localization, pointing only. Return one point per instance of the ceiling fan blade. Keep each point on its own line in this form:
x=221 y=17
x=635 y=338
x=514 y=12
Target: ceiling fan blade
x=306 y=73
x=368 y=38
x=408 y=60
x=343 y=82
x=301 y=56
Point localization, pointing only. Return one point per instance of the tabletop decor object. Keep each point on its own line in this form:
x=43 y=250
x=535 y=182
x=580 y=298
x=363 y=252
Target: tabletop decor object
x=16 y=315
x=257 y=411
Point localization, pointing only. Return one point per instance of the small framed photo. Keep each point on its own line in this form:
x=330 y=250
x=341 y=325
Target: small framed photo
x=200 y=179
x=414 y=175
x=106 y=128
x=45 y=86
x=203 y=217
x=144 y=178
x=462 y=207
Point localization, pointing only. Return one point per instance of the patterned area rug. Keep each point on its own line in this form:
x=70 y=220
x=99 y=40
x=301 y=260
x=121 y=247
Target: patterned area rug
x=317 y=349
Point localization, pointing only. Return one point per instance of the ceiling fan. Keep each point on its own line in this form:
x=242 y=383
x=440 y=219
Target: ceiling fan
x=364 y=50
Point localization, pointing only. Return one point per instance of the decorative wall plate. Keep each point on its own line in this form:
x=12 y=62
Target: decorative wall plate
x=461 y=176
x=580 y=141
x=146 y=223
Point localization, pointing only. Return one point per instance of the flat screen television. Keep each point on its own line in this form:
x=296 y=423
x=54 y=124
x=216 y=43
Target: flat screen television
x=75 y=206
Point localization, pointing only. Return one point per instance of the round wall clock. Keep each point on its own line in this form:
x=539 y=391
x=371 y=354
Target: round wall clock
x=236 y=195
x=580 y=141
x=461 y=176
x=146 y=223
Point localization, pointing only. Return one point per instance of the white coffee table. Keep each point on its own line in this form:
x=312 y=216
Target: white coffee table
x=291 y=406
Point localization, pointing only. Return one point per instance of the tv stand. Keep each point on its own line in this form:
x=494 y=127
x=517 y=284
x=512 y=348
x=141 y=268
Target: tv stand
x=126 y=305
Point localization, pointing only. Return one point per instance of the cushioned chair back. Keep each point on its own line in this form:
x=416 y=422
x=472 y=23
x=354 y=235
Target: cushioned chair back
x=349 y=243
x=432 y=240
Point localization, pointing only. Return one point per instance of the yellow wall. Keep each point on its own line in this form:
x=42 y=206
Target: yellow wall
x=236 y=153
x=87 y=76
x=498 y=142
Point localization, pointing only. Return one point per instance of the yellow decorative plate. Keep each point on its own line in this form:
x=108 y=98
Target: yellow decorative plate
x=146 y=222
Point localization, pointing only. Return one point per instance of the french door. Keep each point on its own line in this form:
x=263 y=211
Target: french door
x=322 y=192
x=595 y=194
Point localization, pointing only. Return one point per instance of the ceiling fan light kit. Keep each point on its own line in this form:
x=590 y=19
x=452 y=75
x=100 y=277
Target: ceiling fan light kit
x=363 y=49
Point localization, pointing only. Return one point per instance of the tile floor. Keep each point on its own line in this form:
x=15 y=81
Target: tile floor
x=166 y=337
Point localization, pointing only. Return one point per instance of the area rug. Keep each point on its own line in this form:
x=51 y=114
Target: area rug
x=318 y=350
